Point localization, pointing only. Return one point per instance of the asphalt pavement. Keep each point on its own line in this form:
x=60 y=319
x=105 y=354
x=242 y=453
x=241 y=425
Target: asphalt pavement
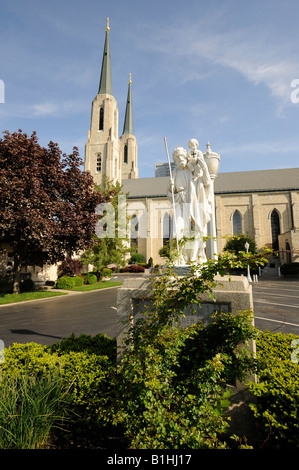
x=276 y=304
x=49 y=320
x=276 y=308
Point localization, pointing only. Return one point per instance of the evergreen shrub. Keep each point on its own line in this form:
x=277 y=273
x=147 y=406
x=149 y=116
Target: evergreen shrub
x=136 y=258
x=277 y=390
x=27 y=285
x=107 y=272
x=91 y=278
x=65 y=282
x=87 y=384
x=99 y=344
x=134 y=268
x=79 y=280
x=290 y=269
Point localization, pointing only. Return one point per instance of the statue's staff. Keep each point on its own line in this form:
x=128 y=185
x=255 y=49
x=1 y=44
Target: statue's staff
x=172 y=193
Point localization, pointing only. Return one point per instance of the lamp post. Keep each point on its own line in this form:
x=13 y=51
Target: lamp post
x=248 y=268
x=213 y=161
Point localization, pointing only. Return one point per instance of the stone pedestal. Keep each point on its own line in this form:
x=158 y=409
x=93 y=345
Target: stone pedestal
x=232 y=294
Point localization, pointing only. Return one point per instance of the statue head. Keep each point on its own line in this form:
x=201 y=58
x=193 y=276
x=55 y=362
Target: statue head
x=193 y=144
x=180 y=156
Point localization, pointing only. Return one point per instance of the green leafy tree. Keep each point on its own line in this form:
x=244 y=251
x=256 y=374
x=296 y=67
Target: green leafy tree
x=236 y=244
x=172 y=381
x=107 y=249
x=47 y=204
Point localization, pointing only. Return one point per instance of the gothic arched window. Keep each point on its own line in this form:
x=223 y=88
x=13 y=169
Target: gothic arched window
x=134 y=230
x=166 y=226
x=237 y=223
x=126 y=154
x=101 y=120
x=275 y=229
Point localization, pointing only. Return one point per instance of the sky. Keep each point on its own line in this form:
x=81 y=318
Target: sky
x=224 y=72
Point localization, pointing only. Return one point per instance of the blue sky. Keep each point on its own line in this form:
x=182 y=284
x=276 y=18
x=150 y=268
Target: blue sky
x=219 y=71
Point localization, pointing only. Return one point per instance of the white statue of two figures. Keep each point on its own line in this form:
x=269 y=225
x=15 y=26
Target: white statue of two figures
x=191 y=190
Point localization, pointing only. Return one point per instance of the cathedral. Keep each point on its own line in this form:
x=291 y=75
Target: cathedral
x=262 y=204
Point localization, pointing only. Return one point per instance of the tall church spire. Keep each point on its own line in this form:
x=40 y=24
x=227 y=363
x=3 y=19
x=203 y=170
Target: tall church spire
x=106 y=77
x=128 y=124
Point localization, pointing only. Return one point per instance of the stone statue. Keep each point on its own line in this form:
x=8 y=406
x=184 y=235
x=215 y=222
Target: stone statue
x=192 y=192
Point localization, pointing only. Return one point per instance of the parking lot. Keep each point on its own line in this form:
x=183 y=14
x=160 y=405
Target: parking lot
x=276 y=305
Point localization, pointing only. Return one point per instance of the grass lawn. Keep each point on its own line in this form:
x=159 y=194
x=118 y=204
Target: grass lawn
x=98 y=285
x=11 y=298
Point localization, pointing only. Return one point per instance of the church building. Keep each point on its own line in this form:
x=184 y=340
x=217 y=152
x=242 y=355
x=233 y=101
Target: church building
x=263 y=204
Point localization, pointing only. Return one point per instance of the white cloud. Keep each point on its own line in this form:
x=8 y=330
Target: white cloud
x=257 y=56
x=43 y=109
x=48 y=108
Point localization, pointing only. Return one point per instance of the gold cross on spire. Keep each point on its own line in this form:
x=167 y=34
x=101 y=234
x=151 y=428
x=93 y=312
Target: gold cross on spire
x=107 y=27
x=130 y=79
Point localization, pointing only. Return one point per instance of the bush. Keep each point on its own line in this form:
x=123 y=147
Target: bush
x=6 y=283
x=236 y=243
x=99 y=344
x=136 y=258
x=27 y=285
x=91 y=278
x=107 y=272
x=88 y=381
x=277 y=391
x=290 y=269
x=133 y=269
x=29 y=408
x=70 y=267
x=79 y=280
x=173 y=384
x=65 y=282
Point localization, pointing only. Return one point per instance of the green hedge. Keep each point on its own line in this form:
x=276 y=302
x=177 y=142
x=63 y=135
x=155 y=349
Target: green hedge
x=79 y=280
x=69 y=282
x=65 y=282
x=277 y=390
x=93 y=389
x=27 y=285
x=107 y=272
x=88 y=378
x=99 y=344
x=290 y=269
x=91 y=278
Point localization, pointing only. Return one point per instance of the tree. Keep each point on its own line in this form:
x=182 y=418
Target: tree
x=70 y=267
x=108 y=249
x=47 y=204
x=236 y=244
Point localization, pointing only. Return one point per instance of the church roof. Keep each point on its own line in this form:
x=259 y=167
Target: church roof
x=225 y=183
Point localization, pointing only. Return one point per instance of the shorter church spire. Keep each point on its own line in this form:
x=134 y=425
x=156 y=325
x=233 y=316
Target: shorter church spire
x=128 y=124
x=106 y=77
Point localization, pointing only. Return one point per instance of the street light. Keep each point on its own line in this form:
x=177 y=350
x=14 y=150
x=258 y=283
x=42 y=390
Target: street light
x=213 y=161
x=248 y=268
